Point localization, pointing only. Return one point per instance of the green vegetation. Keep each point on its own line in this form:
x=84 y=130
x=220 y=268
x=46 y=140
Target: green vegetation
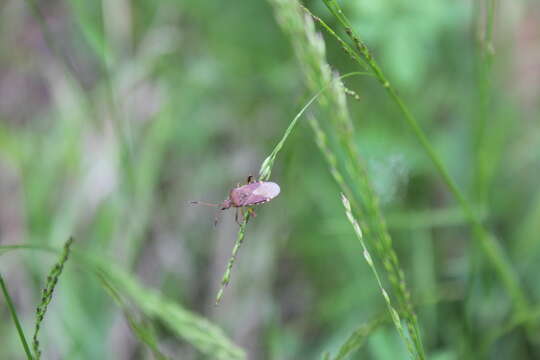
x=403 y=135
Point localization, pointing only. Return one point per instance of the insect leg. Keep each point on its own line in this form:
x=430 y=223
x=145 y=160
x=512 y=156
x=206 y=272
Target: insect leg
x=252 y=212
x=236 y=217
x=242 y=213
x=249 y=179
x=216 y=217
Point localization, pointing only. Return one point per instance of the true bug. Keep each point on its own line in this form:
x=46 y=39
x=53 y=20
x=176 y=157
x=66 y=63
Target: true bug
x=253 y=193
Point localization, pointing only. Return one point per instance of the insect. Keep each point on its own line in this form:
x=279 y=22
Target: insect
x=253 y=193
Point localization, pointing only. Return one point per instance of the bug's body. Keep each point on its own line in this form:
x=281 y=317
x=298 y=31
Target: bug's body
x=253 y=193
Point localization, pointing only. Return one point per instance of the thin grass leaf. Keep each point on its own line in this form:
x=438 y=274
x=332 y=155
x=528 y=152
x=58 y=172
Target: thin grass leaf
x=268 y=163
x=15 y=318
x=47 y=294
x=8 y=248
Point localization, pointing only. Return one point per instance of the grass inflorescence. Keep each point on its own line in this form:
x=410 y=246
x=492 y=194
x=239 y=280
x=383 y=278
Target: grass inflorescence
x=47 y=295
x=489 y=245
x=337 y=136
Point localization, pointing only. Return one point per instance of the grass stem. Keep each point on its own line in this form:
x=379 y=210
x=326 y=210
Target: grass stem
x=15 y=319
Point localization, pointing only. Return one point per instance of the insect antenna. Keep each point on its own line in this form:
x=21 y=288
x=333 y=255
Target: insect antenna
x=202 y=203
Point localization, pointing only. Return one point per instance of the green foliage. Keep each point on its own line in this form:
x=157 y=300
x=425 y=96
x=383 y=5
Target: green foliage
x=199 y=332
x=122 y=287
x=114 y=115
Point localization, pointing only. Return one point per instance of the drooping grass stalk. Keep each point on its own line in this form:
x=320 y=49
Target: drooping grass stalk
x=264 y=174
x=384 y=250
x=15 y=318
x=393 y=312
x=489 y=245
x=310 y=50
x=47 y=294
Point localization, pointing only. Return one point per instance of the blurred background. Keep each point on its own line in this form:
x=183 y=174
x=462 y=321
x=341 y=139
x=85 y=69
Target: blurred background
x=115 y=114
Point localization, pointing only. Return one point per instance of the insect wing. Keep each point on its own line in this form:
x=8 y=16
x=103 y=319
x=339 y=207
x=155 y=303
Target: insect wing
x=265 y=191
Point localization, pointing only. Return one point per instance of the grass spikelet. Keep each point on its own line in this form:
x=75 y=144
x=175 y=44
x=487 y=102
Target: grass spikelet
x=47 y=294
x=393 y=312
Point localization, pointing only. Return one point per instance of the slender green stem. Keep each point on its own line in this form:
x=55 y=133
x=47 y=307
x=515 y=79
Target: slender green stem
x=266 y=167
x=346 y=47
x=15 y=319
x=227 y=275
x=491 y=248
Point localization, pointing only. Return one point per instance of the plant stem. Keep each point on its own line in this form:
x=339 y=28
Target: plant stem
x=491 y=248
x=15 y=319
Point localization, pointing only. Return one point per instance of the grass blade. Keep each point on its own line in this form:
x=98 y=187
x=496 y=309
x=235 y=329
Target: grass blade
x=15 y=318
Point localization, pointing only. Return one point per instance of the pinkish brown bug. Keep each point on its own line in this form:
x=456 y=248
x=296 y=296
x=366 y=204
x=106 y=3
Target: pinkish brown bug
x=253 y=193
